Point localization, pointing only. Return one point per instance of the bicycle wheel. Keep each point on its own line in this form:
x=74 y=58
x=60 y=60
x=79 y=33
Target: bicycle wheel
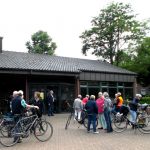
x=4 y=128
x=119 y=124
x=8 y=138
x=68 y=121
x=144 y=124
x=86 y=122
x=43 y=131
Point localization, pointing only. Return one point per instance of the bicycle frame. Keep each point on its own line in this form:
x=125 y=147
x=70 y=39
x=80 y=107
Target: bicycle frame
x=23 y=127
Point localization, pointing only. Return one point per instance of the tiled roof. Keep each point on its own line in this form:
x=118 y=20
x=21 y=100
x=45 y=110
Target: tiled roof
x=42 y=62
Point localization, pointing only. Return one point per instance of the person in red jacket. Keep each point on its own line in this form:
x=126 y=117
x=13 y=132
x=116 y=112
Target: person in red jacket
x=85 y=100
x=100 y=105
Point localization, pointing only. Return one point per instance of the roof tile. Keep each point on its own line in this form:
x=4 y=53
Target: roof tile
x=42 y=62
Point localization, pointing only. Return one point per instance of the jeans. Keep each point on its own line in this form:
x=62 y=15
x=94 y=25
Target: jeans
x=102 y=120
x=50 y=110
x=17 y=127
x=92 y=119
x=133 y=116
x=108 y=119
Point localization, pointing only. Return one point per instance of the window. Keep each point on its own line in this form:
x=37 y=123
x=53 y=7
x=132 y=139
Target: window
x=113 y=84
x=93 y=83
x=128 y=84
x=94 y=91
x=83 y=91
x=83 y=83
x=120 y=84
x=112 y=92
x=104 y=83
x=129 y=93
x=104 y=89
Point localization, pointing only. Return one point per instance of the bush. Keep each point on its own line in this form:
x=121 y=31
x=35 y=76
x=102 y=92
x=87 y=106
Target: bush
x=145 y=100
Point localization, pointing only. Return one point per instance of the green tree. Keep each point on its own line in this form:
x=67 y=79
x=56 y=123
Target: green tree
x=140 y=62
x=41 y=43
x=113 y=30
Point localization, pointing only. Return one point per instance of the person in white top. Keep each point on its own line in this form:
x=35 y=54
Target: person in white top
x=78 y=106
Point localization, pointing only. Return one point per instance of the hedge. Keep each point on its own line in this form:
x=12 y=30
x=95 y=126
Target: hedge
x=142 y=101
x=145 y=100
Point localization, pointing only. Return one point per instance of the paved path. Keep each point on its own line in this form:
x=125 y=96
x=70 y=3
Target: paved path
x=79 y=139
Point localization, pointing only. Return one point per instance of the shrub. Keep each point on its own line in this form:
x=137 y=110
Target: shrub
x=145 y=100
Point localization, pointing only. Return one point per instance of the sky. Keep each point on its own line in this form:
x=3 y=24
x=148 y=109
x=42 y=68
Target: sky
x=63 y=20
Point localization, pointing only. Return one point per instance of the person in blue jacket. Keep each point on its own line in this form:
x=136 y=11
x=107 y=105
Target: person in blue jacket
x=92 y=111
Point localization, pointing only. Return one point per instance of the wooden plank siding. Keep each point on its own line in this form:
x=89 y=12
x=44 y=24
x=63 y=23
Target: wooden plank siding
x=90 y=76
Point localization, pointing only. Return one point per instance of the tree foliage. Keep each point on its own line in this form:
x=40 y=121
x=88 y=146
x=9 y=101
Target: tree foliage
x=41 y=43
x=140 y=63
x=113 y=30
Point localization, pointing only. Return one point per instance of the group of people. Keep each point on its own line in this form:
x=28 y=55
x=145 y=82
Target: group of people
x=102 y=108
x=95 y=108
x=18 y=105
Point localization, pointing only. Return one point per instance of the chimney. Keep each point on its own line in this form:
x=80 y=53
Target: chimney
x=1 y=39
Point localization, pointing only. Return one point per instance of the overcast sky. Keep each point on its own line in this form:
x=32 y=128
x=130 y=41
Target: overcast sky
x=63 y=20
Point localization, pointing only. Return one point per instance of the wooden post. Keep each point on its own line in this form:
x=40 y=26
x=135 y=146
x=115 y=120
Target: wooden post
x=27 y=91
x=77 y=85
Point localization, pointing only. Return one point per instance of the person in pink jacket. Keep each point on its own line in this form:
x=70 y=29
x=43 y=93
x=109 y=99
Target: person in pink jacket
x=100 y=105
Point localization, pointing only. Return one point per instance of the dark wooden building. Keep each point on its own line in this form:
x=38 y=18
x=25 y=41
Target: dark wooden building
x=66 y=76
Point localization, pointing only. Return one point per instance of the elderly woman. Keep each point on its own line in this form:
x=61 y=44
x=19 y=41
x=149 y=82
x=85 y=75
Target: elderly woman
x=100 y=105
x=92 y=111
x=107 y=108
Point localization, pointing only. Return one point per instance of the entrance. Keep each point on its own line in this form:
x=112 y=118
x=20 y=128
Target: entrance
x=63 y=92
x=55 y=89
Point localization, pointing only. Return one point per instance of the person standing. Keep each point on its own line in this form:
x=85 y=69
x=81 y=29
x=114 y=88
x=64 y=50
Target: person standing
x=14 y=95
x=100 y=105
x=92 y=111
x=50 y=101
x=18 y=107
x=38 y=102
x=119 y=102
x=107 y=109
x=85 y=100
x=78 y=106
x=133 y=107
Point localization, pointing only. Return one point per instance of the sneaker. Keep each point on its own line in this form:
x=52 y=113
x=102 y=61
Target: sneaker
x=88 y=131
x=96 y=132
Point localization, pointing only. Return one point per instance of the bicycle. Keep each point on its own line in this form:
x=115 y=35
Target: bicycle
x=7 y=123
x=42 y=130
x=142 y=123
x=83 y=121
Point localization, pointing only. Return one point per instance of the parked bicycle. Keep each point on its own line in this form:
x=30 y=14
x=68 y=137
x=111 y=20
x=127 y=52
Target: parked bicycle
x=121 y=121
x=41 y=129
x=83 y=121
